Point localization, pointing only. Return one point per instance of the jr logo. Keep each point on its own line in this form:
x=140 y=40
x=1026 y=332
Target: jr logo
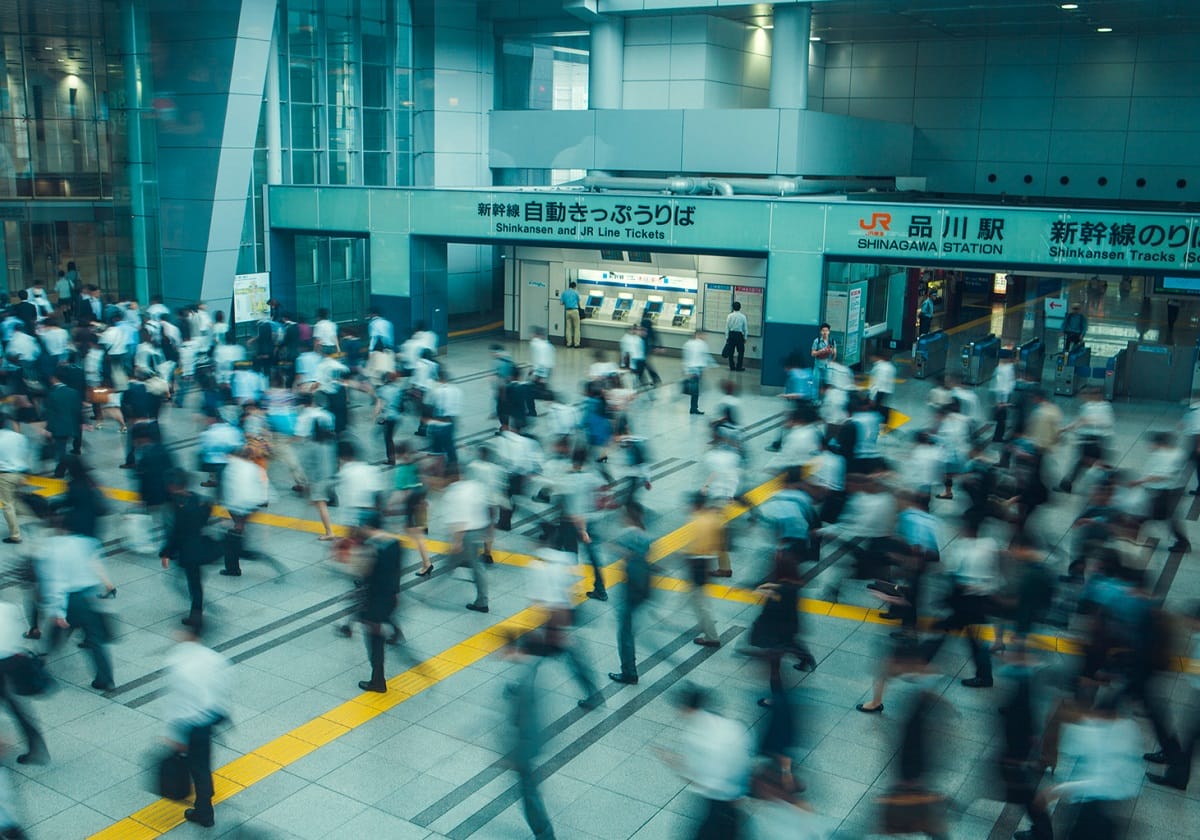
x=879 y=223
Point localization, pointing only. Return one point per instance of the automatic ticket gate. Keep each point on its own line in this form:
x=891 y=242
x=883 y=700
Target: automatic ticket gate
x=1071 y=370
x=979 y=359
x=1159 y=371
x=1031 y=359
x=929 y=354
x=1114 y=375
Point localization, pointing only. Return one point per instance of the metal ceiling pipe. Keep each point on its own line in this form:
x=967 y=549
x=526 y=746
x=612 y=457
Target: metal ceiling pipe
x=732 y=186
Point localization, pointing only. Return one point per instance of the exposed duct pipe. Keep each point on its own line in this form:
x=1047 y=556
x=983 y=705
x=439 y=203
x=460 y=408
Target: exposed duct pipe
x=733 y=186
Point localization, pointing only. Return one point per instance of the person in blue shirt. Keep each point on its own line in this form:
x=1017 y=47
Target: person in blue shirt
x=570 y=302
x=925 y=315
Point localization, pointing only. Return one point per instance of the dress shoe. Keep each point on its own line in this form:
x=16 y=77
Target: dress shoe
x=480 y=608
x=487 y=559
x=710 y=643
x=695 y=411
x=367 y=685
x=13 y=540
x=977 y=682
x=624 y=679
x=231 y=573
x=593 y=701
x=862 y=707
x=33 y=633
x=1168 y=780
x=102 y=686
x=1159 y=757
x=192 y=815
x=426 y=572
x=39 y=756
x=721 y=573
x=598 y=595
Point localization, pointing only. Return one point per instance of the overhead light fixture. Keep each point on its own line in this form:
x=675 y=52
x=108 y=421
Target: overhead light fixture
x=814 y=37
x=1104 y=29
x=767 y=26
x=1069 y=7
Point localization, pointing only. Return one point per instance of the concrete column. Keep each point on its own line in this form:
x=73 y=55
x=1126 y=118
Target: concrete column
x=274 y=132
x=606 y=63
x=789 y=56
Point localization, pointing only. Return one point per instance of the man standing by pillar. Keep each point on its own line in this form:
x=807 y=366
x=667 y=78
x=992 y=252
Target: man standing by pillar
x=925 y=314
x=570 y=302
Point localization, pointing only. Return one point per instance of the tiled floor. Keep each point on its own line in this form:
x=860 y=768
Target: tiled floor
x=431 y=766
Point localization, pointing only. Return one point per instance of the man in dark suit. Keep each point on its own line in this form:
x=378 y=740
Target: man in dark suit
x=380 y=588
x=186 y=541
x=64 y=419
x=140 y=408
x=26 y=311
x=90 y=309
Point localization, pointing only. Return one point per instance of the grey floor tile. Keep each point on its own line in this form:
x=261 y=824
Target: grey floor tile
x=313 y=812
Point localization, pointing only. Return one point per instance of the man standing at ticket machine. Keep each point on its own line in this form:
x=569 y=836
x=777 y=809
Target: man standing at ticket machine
x=735 y=336
x=1073 y=328
x=570 y=302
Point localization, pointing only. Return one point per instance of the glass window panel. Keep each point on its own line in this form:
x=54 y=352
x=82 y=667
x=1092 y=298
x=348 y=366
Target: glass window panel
x=305 y=166
x=374 y=86
x=302 y=33
x=305 y=128
x=343 y=128
x=374 y=42
x=304 y=86
x=404 y=170
x=375 y=172
x=374 y=129
x=342 y=167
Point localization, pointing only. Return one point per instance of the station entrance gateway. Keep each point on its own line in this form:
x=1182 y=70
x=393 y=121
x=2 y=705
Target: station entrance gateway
x=859 y=260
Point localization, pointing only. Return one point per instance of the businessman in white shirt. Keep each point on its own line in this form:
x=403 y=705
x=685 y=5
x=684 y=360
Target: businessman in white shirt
x=736 y=327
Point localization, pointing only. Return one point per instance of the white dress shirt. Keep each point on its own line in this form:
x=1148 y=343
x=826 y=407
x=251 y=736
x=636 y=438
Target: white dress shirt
x=325 y=333
x=55 y=340
x=736 y=322
x=973 y=562
x=66 y=563
x=198 y=688
x=633 y=347
x=1109 y=763
x=716 y=756
x=883 y=378
x=14 y=452
x=541 y=354
x=550 y=579
x=696 y=356
x=381 y=335
x=243 y=485
x=466 y=505
x=359 y=485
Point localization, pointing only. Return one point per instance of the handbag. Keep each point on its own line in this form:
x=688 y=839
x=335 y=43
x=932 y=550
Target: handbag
x=29 y=677
x=174 y=779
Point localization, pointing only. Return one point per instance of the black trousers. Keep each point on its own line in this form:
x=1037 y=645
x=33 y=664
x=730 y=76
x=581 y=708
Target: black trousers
x=33 y=738
x=737 y=346
x=375 y=651
x=722 y=821
x=389 y=442
x=199 y=758
x=191 y=573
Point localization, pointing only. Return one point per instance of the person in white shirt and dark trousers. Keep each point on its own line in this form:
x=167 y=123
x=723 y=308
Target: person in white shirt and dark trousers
x=1161 y=475
x=883 y=385
x=696 y=357
x=14 y=464
x=469 y=519
x=736 y=327
x=714 y=757
x=70 y=577
x=198 y=699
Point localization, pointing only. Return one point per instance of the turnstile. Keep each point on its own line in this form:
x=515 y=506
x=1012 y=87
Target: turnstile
x=1114 y=376
x=1031 y=359
x=1071 y=370
x=1159 y=371
x=929 y=354
x=979 y=359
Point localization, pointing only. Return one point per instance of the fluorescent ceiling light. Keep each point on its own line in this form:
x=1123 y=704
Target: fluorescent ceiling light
x=1104 y=29
x=814 y=37
x=1069 y=7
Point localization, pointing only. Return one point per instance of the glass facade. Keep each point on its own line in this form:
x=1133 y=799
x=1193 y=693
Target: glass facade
x=546 y=73
x=346 y=105
x=61 y=131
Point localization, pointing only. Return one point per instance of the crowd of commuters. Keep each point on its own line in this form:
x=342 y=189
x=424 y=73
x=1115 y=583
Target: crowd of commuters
x=975 y=474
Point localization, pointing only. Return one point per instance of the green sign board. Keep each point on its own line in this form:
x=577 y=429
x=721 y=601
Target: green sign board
x=1128 y=241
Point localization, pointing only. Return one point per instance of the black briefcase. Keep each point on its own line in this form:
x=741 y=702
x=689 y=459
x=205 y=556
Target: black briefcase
x=174 y=780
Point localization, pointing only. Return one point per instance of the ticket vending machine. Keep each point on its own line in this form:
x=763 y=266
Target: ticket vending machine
x=623 y=306
x=654 y=308
x=684 y=309
x=593 y=305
